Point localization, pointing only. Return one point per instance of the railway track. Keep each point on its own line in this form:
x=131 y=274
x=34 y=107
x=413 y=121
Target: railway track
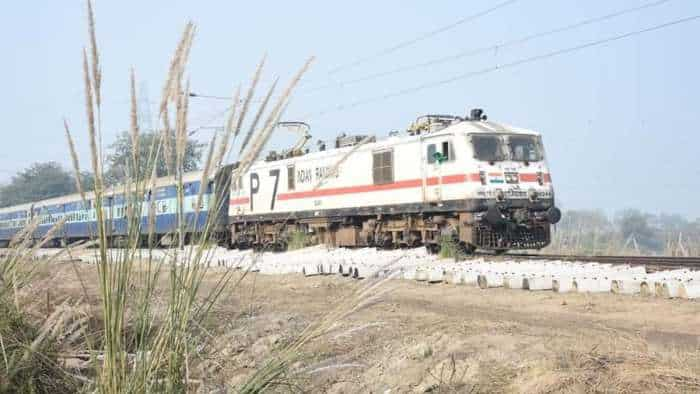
x=651 y=262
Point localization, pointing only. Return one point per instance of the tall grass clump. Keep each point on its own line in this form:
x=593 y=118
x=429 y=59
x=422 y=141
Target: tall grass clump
x=297 y=240
x=141 y=348
x=29 y=344
x=448 y=247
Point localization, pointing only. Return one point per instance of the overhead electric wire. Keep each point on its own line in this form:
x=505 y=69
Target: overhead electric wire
x=490 y=48
x=421 y=37
x=475 y=51
x=512 y=64
x=467 y=53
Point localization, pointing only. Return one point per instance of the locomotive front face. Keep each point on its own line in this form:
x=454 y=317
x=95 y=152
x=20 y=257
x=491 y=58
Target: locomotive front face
x=515 y=201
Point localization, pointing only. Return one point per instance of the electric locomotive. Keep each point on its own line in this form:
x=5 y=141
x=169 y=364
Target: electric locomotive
x=484 y=184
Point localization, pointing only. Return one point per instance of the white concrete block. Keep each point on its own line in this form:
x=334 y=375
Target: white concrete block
x=513 y=281
x=435 y=275
x=659 y=287
x=363 y=272
x=490 y=280
x=647 y=288
x=538 y=283
x=330 y=268
x=690 y=290
x=310 y=270
x=627 y=286
x=671 y=289
x=591 y=285
x=470 y=277
x=454 y=276
x=563 y=284
x=421 y=275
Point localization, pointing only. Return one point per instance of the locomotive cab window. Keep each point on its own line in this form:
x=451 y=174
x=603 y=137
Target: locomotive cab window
x=444 y=148
x=431 y=153
x=290 y=178
x=383 y=167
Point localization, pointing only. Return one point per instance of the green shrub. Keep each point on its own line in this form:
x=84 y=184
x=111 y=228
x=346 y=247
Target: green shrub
x=298 y=239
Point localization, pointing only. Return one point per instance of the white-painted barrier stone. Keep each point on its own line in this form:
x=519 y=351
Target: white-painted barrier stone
x=435 y=275
x=591 y=285
x=604 y=285
x=627 y=286
x=490 y=280
x=538 y=283
x=330 y=268
x=470 y=278
x=647 y=288
x=691 y=289
x=513 y=281
x=409 y=274
x=454 y=276
x=671 y=289
x=659 y=288
x=564 y=284
x=363 y=272
x=310 y=270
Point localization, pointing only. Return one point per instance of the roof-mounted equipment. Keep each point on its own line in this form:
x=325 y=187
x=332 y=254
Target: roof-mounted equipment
x=300 y=128
x=477 y=114
x=345 y=140
x=432 y=123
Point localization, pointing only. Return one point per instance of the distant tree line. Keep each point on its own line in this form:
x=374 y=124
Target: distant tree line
x=50 y=179
x=626 y=232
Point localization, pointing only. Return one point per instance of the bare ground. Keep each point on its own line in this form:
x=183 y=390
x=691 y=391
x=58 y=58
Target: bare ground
x=441 y=338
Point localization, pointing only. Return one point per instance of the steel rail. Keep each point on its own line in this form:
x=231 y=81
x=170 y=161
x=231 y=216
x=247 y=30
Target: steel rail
x=660 y=262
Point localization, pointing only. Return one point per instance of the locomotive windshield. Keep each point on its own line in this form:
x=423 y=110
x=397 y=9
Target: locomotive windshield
x=495 y=147
x=488 y=147
x=524 y=148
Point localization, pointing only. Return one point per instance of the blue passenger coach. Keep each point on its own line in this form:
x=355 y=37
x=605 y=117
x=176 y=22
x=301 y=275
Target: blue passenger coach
x=80 y=216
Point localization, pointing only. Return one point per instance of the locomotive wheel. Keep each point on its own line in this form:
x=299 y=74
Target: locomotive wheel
x=280 y=246
x=464 y=250
x=467 y=248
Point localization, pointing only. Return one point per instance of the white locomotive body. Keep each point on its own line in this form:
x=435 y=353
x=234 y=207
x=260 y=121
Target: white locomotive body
x=487 y=185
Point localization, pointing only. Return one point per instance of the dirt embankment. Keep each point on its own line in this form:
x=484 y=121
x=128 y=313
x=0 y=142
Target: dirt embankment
x=447 y=338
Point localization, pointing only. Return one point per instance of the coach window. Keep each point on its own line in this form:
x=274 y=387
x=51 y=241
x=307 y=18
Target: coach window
x=383 y=167
x=290 y=178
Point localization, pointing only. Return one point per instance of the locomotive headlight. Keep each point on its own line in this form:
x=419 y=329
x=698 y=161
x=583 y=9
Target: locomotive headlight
x=540 y=178
x=532 y=195
x=482 y=177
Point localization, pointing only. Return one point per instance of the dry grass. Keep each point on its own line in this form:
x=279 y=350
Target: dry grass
x=621 y=366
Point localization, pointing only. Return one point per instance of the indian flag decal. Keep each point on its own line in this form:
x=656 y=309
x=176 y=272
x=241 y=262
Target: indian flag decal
x=496 y=177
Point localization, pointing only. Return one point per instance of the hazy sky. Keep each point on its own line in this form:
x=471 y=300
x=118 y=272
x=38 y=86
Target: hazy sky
x=620 y=121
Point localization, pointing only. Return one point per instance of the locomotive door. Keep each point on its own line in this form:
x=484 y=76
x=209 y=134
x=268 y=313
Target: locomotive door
x=437 y=155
